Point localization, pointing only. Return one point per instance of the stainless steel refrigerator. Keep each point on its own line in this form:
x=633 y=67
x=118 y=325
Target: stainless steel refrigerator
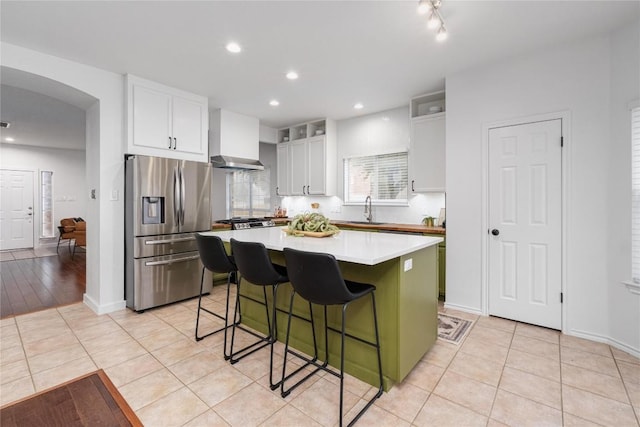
x=166 y=202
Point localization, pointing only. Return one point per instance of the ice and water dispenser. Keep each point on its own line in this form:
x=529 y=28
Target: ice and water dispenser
x=153 y=210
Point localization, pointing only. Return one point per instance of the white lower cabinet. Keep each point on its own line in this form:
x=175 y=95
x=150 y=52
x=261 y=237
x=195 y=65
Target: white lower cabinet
x=167 y=122
x=427 y=153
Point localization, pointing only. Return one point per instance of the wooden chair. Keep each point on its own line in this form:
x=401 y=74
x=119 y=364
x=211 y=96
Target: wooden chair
x=66 y=228
x=80 y=236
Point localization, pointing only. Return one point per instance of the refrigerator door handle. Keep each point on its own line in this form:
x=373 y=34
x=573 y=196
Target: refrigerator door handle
x=169 y=241
x=182 y=199
x=172 y=261
x=176 y=196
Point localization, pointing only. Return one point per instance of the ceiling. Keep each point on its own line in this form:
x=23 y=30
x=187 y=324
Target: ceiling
x=40 y=120
x=379 y=53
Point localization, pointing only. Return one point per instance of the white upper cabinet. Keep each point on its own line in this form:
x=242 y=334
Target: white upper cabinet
x=427 y=148
x=317 y=165
x=283 y=187
x=310 y=162
x=298 y=166
x=166 y=122
x=234 y=135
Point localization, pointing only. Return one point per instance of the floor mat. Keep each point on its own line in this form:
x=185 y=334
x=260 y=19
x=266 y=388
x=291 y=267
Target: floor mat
x=451 y=328
x=90 y=400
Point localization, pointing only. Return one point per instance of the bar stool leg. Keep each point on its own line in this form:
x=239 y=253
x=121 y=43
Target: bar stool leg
x=344 y=309
x=262 y=340
x=380 y=388
x=225 y=317
x=312 y=361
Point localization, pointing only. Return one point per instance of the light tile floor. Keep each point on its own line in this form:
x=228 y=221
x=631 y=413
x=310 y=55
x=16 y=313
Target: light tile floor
x=504 y=373
x=12 y=255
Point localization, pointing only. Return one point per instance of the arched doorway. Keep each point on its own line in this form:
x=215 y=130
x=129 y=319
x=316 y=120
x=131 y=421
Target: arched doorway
x=46 y=141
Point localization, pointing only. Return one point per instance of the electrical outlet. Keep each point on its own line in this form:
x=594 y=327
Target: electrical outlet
x=408 y=264
x=114 y=195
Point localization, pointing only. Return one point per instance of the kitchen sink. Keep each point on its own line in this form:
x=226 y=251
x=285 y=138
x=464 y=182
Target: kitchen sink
x=364 y=222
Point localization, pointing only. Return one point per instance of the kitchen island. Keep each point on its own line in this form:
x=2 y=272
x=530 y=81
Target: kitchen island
x=404 y=270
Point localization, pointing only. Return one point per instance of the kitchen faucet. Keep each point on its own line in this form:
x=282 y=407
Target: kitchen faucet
x=368 y=212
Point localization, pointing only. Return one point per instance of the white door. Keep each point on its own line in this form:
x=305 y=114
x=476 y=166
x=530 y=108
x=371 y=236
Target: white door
x=525 y=218
x=16 y=209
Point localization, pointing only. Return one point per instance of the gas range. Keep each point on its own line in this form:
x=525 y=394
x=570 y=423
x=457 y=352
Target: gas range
x=247 y=223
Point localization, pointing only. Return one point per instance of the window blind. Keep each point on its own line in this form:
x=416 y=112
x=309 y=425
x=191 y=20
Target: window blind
x=635 y=194
x=46 y=204
x=384 y=177
x=249 y=193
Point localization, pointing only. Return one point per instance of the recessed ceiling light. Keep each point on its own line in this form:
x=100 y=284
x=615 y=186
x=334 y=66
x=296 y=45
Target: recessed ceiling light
x=234 y=47
x=292 y=75
x=358 y=106
x=424 y=6
x=442 y=34
x=9 y=139
x=274 y=103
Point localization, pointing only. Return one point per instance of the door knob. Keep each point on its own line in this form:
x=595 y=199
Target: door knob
x=495 y=231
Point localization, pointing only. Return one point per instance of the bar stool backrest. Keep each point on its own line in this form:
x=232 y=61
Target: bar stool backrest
x=254 y=263
x=213 y=254
x=317 y=277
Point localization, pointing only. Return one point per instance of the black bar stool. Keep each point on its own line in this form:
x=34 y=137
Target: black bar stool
x=254 y=265
x=316 y=277
x=215 y=259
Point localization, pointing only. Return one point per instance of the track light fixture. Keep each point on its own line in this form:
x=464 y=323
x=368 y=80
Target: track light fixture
x=435 y=20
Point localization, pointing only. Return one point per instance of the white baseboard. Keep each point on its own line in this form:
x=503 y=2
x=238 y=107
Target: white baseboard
x=605 y=340
x=105 y=308
x=463 y=308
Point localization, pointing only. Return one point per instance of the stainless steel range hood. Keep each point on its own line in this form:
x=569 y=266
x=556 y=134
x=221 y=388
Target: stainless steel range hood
x=229 y=162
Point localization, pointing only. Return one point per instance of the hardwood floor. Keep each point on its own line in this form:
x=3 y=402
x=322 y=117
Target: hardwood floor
x=29 y=285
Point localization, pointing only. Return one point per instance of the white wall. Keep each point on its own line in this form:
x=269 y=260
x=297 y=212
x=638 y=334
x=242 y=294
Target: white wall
x=40 y=120
x=624 y=312
x=378 y=133
x=574 y=78
x=104 y=164
x=69 y=188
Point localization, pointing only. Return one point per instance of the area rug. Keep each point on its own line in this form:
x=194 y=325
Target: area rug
x=452 y=329
x=90 y=400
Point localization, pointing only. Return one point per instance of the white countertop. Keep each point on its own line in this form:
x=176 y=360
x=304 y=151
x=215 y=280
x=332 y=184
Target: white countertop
x=361 y=247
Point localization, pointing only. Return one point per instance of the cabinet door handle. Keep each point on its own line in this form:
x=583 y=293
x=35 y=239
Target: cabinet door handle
x=308 y=191
x=412 y=189
x=277 y=192
x=169 y=143
x=175 y=143
x=303 y=192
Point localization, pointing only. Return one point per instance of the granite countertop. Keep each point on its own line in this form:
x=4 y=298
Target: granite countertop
x=411 y=228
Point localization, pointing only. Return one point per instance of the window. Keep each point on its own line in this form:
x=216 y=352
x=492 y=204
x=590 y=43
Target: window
x=249 y=193
x=46 y=204
x=384 y=177
x=635 y=195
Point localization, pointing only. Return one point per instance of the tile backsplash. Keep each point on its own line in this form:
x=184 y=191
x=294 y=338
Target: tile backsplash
x=420 y=205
